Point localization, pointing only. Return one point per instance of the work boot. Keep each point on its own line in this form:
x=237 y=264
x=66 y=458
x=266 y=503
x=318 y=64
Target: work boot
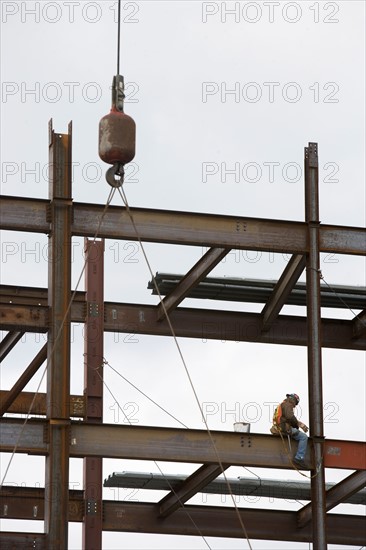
x=299 y=463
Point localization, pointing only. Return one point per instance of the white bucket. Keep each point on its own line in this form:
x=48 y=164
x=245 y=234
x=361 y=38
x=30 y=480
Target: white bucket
x=242 y=427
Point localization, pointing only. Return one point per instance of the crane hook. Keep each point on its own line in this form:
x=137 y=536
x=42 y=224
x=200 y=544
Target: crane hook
x=115 y=175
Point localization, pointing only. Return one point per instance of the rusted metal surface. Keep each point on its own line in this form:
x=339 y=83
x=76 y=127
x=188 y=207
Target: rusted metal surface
x=174 y=227
x=211 y=520
x=27 y=503
x=191 y=279
x=58 y=353
x=315 y=378
x=174 y=445
x=25 y=377
x=214 y=521
x=22 y=404
x=359 y=325
x=26 y=541
x=196 y=323
x=93 y=389
x=334 y=496
x=282 y=290
x=192 y=485
x=8 y=342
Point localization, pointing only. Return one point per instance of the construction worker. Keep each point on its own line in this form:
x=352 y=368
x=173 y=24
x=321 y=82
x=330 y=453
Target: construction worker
x=287 y=423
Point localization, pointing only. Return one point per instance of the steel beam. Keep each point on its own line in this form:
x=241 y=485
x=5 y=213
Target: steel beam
x=8 y=342
x=215 y=521
x=359 y=325
x=58 y=354
x=26 y=541
x=26 y=376
x=174 y=445
x=282 y=290
x=186 y=228
x=189 y=487
x=93 y=389
x=256 y=487
x=191 y=279
x=208 y=521
x=36 y=404
x=315 y=380
x=334 y=496
x=194 y=323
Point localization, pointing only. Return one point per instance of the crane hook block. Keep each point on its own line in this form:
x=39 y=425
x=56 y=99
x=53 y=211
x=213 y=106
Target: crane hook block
x=117 y=137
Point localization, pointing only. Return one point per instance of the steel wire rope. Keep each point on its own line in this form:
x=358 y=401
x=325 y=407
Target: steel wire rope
x=219 y=461
x=145 y=395
x=154 y=461
x=118 y=34
x=321 y=276
x=109 y=200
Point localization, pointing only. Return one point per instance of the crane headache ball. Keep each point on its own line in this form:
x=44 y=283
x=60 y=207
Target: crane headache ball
x=117 y=137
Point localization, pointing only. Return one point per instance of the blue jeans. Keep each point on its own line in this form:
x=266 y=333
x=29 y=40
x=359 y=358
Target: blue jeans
x=303 y=443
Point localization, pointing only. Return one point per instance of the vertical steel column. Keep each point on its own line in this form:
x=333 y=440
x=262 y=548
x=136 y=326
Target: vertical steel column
x=58 y=352
x=314 y=345
x=93 y=389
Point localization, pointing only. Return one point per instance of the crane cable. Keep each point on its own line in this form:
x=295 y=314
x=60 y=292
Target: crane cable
x=219 y=461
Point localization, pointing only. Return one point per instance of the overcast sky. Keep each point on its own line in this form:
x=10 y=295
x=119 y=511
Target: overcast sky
x=225 y=97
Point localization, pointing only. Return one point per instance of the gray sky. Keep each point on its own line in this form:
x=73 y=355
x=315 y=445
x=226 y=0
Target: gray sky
x=224 y=105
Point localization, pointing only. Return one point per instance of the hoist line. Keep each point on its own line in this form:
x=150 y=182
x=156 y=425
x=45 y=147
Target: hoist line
x=125 y=202
x=118 y=35
x=58 y=335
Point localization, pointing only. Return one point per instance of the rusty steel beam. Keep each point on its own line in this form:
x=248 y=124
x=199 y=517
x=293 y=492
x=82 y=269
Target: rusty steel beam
x=27 y=503
x=359 y=324
x=174 y=445
x=282 y=290
x=26 y=541
x=334 y=496
x=193 y=323
x=186 y=228
x=315 y=377
x=93 y=389
x=58 y=353
x=189 y=487
x=191 y=279
x=25 y=377
x=8 y=342
x=212 y=521
x=215 y=521
x=22 y=404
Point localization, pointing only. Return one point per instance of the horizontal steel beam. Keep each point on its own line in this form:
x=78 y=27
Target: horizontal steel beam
x=256 y=487
x=175 y=445
x=259 y=291
x=214 y=521
x=21 y=405
x=174 y=227
x=204 y=324
x=26 y=541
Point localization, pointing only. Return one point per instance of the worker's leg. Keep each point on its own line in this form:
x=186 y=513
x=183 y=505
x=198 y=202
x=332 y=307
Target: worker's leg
x=303 y=442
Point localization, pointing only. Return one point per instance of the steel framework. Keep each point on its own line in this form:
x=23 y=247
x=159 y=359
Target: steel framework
x=57 y=436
